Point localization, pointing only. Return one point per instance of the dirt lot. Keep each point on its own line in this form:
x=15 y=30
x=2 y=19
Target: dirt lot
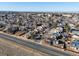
x=8 y=48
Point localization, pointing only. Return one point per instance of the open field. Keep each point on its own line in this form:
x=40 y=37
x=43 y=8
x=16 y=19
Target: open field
x=8 y=48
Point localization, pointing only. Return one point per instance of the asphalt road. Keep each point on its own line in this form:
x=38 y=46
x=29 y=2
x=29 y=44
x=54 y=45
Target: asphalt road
x=41 y=48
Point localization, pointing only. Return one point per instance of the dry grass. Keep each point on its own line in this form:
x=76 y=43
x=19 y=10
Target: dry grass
x=8 y=48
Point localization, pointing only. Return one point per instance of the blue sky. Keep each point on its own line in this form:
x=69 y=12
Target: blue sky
x=40 y=6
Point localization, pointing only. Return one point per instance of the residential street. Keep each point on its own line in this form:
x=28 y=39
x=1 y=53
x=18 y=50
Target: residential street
x=35 y=46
